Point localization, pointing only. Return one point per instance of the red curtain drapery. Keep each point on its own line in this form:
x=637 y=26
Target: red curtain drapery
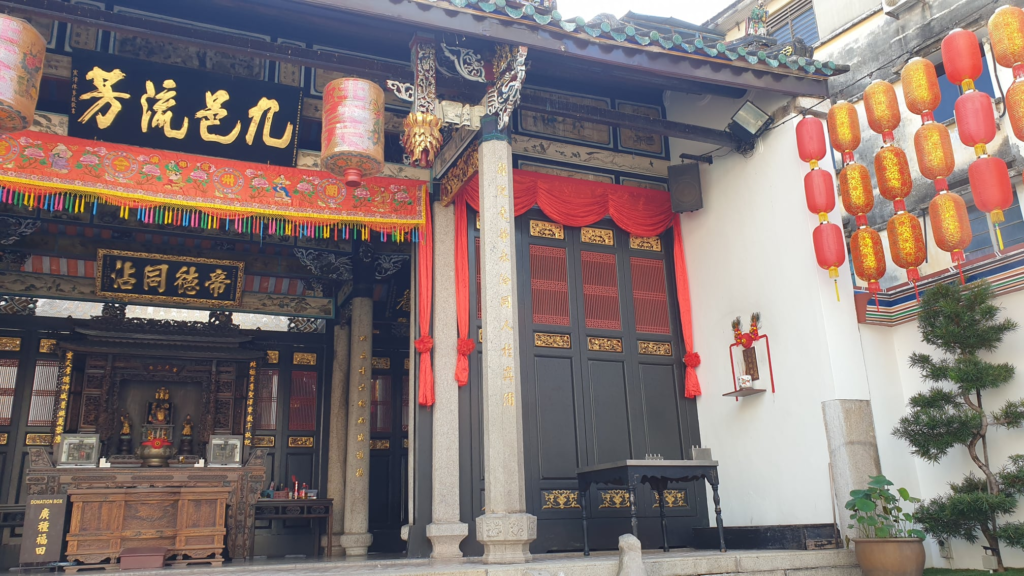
x=426 y=295
x=575 y=203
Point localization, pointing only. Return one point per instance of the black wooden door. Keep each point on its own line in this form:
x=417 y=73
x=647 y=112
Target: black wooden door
x=602 y=378
x=389 y=433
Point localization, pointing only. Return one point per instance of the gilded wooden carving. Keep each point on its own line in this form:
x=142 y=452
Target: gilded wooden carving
x=673 y=499
x=38 y=439
x=465 y=168
x=380 y=444
x=3 y=438
x=544 y=340
x=604 y=344
x=300 y=441
x=273 y=356
x=8 y=344
x=560 y=499
x=597 y=236
x=614 y=499
x=649 y=243
x=304 y=359
x=379 y=363
x=264 y=441
x=60 y=407
x=250 y=398
x=47 y=346
x=542 y=229
x=656 y=348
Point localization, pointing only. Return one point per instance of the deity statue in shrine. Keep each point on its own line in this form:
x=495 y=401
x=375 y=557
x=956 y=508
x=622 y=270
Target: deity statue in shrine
x=160 y=409
x=185 y=448
x=757 y=23
x=126 y=424
x=186 y=427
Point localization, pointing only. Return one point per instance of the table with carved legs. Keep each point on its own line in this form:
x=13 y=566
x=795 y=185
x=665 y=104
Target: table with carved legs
x=657 y=474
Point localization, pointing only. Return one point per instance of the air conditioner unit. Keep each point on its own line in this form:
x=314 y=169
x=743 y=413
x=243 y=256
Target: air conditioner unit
x=896 y=7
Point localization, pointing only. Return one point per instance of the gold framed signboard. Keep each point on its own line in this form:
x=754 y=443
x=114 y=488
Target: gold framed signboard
x=156 y=278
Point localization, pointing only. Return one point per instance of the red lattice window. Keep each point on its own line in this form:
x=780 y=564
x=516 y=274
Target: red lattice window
x=600 y=291
x=302 y=402
x=479 y=307
x=266 y=399
x=380 y=404
x=44 y=392
x=8 y=374
x=650 y=297
x=549 y=282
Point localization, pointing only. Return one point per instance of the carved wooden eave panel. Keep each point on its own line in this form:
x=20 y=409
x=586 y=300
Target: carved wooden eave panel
x=591 y=157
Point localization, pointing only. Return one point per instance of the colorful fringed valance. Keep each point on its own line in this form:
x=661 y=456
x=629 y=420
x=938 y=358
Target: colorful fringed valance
x=60 y=173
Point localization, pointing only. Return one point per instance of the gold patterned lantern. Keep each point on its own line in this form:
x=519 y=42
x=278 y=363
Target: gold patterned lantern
x=951 y=225
x=934 y=149
x=1015 y=108
x=22 y=50
x=352 y=142
x=856 y=191
x=422 y=138
x=892 y=170
x=882 y=108
x=844 y=129
x=1006 y=30
x=906 y=244
x=920 y=86
x=868 y=258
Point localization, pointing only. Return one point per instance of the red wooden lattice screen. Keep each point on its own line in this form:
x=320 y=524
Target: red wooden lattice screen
x=550 y=285
x=600 y=291
x=44 y=392
x=650 y=296
x=302 y=402
x=266 y=399
x=8 y=374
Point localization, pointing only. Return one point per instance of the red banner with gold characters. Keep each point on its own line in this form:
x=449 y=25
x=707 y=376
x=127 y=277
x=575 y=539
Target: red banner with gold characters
x=51 y=172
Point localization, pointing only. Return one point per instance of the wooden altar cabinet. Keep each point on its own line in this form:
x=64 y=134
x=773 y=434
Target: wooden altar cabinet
x=243 y=483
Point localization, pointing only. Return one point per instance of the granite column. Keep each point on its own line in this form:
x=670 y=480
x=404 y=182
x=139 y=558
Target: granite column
x=506 y=530
x=356 y=539
x=339 y=428
x=446 y=531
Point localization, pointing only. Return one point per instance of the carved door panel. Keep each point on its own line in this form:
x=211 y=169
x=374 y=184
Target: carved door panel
x=602 y=377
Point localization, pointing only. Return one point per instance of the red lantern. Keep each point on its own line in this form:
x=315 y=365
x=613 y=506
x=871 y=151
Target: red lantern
x=810 y=140
x=906 y=244
x=920 y=86
x=820 y=193
x=1015 y=108
x=975 y=120
x=868 y=258
x=830 y=250
x=893 y=173
x=21 y=71
x=951 y=226
x=882 y=108
x=857 y=193
x=961 y=57
x=844 y=127
x=934 y=149
x=992 y=189
x=1006 y=30
x=352 y=140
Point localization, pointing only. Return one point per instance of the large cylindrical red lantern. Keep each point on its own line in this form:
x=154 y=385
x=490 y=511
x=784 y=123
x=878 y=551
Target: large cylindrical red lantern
x=1006 y=30
x=352 y=142
x=934 y=149
x=1015 y=108
x=920 y=86
x=992 y=189
x=844 y=129
x=951 y=226
x=893 y=173
x=975 y=120
x=906 y=244
x=856 y=191
x=882 y=108
x=961 y=58
x=830 y=248
x=810 y=140
x=820 y=193
x=868 y=258
x=22 y=50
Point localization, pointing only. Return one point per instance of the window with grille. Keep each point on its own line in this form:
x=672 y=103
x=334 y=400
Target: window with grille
x=44 y=392
x=984 y=241
x=380 y=404
x=650 y=296
x=266 y=400
x=795 y=20
x=549 y=285
x=8 y=374
x=302 y=402
x=600 y=291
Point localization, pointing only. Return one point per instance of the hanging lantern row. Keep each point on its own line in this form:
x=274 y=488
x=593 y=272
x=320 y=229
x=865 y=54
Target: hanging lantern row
x=895 y=183
x=819 y=192
x=1006 y=31
x=21 y=73
x=947 y=212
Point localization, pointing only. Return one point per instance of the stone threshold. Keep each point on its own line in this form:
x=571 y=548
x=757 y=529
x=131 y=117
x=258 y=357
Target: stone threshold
x=682 y=562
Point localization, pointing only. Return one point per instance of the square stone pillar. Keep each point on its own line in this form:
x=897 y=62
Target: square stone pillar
x=852 y=451
x=357 y=538
x=446 y=531
x=339 y=429
x=506 y=530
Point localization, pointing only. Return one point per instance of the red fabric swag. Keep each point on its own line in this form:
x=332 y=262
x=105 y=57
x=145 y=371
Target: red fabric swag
x=466 y=345
x=692 y=388
x=426 y=298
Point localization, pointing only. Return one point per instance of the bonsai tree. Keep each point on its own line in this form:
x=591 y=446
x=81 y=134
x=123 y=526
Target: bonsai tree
x=962 y=322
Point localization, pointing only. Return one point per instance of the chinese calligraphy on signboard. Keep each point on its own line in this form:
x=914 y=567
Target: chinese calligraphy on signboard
x=170 y=279
x=128 y=101
x=42 y=536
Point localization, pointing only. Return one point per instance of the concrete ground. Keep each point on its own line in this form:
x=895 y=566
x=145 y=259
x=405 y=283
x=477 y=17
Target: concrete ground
x=682 y=562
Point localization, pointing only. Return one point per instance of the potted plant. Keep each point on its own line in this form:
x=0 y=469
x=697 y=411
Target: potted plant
x=889 y=543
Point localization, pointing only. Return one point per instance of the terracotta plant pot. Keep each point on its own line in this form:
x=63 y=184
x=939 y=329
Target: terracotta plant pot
x=890 y=556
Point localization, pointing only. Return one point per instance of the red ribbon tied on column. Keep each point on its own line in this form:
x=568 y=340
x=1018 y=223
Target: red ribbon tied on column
x=692 y=360
x=466 y=347
x=426 y=296
x=425 y=344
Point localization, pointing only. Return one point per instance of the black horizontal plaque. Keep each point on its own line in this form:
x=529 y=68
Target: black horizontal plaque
x=154 y=278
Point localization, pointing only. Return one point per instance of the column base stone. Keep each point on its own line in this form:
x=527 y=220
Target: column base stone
x=506 y=537
x=445 y=538
x=356 y=544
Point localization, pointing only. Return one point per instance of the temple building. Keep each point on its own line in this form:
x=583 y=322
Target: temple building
x=445 y=279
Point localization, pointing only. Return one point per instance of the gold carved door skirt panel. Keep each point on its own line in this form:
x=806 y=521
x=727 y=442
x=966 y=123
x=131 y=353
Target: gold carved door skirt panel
x=189 y=522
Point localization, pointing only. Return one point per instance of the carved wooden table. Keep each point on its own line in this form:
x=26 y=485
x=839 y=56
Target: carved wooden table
x=244 y=482
x=657 y=474
x=186 y=521
x=314 y=510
